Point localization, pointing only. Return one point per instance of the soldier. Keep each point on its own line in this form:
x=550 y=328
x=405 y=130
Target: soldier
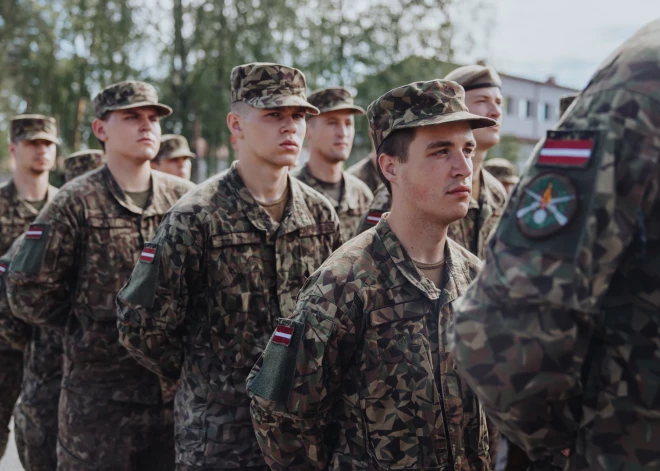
x=32 y=146
x=366 y=171
x=228 y=261
x=560 y=334
x=482 y=97
x=113 y=414
x=504 y=171
x=174 y=156
x=359 y=376
x=35 y=414
x=330 y=137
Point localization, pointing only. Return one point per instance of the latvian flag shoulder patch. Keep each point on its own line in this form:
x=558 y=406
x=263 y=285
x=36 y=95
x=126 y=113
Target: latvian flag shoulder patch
x=567 y=149
x=3 y=268
x=35 y=231
x=374 y=216
x=283 y=334
x=148 y=255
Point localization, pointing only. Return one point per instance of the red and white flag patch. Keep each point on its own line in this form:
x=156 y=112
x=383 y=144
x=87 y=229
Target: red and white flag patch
x=148 y=255
x=566 y=152
x=35 y=231
x=373 y=217
x=3 y=268
x=283 y=335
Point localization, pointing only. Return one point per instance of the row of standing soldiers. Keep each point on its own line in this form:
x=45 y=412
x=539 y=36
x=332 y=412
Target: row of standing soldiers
x=251 y=322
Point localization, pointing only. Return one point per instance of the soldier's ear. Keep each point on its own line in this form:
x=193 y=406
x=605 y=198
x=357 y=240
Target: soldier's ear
x=98 y=126
x=388 y=166
x=234 y=125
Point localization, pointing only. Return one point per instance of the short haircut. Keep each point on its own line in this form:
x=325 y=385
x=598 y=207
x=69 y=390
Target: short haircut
x=396 y=145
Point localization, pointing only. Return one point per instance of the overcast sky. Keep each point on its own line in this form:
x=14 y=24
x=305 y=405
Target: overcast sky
x=565 y=38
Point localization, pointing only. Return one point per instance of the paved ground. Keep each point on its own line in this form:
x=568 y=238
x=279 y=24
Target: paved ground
x=10 y=461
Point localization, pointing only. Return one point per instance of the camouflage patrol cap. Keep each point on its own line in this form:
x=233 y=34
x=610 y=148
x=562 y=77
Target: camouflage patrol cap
x=420 y=104
x=267 y=85
x=502 y=169
x=173 y=146
x=565 y=102
x=127 y=95
x=334 y=99
x=82 y=162
x=471 y=77
x=31 y=127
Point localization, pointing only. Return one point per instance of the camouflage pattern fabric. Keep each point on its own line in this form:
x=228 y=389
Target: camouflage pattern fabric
x=559 y=336
x=204 y=304
x=472 y=231
x=126 y=95
x=366 y=382
x=30 y=127
x=472 y=77
x=565 y=102
x=268 y=85
x=82 y=162
x=420 y=104
x=501 y=169
x=355 y=200
x=334 y=99
x=367 y=172
x=67 y=277
x=173 y=146
x=16 y=215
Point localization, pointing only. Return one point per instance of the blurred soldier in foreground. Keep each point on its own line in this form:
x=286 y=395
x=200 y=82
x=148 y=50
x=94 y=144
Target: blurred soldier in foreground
x=35 y=415
x=359 y=376
x=504 y=171
x=32 y=146
x=113 y=414
x=174 y=156
x=224 y=266
x=560 y=334
x=330 y=137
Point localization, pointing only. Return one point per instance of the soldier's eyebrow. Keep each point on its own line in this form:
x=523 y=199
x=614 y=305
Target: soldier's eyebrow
x=435 y=144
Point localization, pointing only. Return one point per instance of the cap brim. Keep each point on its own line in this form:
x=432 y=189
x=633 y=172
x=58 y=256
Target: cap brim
x=356 y=109
x=163 y=110
x=476 y=122
x=43 y=136
x=282 y=101
x=176 y=155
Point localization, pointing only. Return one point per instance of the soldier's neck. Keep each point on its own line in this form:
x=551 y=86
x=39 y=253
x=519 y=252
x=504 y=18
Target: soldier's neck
x=424 y=240
x=132 y=175
x=321 y=169
x=477 y=163
x=31 y=187
x=266 y=183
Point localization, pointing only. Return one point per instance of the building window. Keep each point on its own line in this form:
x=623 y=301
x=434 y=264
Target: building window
x=544 y=112
x=509 y=105
x=525 y=108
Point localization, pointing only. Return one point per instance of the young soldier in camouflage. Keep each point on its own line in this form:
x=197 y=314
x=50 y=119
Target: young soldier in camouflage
x=227 y=262
x=174 y=156
x=359 y=376
x=366 y=171
x=113 y=414
x=32 y=141
x=330 y=137
x=560 y=334
x=35 y=415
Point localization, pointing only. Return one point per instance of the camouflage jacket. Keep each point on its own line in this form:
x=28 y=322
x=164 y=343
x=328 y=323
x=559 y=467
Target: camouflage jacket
x=204 y=305
x=355 y=200
x=367 y=172
x=69 y=269
x=473 y=230
x=364 y=380
x=560 y=334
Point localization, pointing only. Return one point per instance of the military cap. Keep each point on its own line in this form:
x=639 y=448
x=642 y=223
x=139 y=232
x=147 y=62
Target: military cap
x=420 y=104
x=82 y=162
x=471 y=77
x=502 y=169
x=267 y=85
x=565 y=102
x=127 y=95
x=31 y=127
x=173 y=146
x=334 y=99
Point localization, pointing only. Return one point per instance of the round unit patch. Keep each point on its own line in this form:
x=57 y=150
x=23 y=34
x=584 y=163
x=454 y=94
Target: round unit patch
x=547 y=204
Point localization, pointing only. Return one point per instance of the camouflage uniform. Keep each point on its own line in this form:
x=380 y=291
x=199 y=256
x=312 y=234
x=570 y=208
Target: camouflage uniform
x=82 y=162
x=173 y=146
x=366 y=171
x=220 y=272
x=359 y=376
x=559 y=335
x=65 y=276
x=16 y=215
x=503 y=170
